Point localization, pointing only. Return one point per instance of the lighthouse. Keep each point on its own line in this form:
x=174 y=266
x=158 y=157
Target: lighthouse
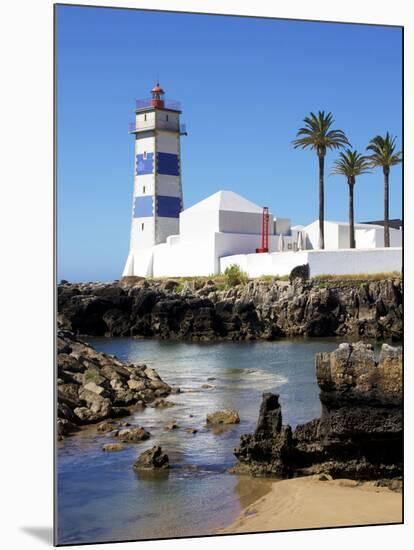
x=157 y=195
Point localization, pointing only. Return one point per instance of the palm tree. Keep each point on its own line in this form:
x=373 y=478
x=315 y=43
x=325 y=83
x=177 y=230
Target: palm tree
x=351 y=164
x=383 y=154
x=317 y=135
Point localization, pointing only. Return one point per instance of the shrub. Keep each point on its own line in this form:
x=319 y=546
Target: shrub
x=235 y=276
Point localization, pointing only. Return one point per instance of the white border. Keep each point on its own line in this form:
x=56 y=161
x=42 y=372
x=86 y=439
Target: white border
x=26 y=237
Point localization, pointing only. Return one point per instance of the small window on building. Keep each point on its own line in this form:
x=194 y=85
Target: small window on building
x=143 y=189
x=145 y=155
x=142 y=227
x=166 y=118
x=145 y=117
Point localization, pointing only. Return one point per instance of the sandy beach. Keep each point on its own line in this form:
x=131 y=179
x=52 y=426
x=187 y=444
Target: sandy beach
x=308 y=502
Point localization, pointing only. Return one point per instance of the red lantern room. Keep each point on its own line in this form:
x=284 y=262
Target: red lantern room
x=157 y=96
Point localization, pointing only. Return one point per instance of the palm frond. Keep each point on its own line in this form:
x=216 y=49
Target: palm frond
x=350 y=164
x=383 y=151
x=317 y=134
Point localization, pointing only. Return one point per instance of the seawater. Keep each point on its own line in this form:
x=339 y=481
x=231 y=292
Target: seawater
x=101 y=498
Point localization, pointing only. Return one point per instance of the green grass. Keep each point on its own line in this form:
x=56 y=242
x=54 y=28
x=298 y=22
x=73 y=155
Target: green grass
x=359 y=276
x=272 y=278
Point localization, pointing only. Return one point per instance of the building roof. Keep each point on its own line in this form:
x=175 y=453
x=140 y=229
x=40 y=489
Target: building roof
x=228 y=201
x=356 y=225
x=396 y=223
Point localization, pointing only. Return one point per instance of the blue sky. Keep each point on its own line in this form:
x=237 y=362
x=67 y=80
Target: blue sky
x=245 y=85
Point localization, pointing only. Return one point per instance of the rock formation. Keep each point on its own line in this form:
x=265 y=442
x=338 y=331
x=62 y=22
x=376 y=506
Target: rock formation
x=359 y=434
x=203 y=310
x=93 y=387
x=226 y=416
x=152 y=459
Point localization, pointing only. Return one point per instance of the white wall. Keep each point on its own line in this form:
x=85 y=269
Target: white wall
x=139 y=263
x=173 y=122
x=282 y=225
x=333 y=262
x=168 y=142
x=168 y=186
x=184 y=259
x=164 y=227
x=145 y=120
x=142 y=238
x=144 y=144
x=340 y=262
x=144 y=181
x=198 y=224
x=256 y=265
x=242 y=222
x=337 y=236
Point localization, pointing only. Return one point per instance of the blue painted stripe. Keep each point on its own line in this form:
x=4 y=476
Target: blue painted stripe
x=144 y=166
x=167 y=164
x=143 y=207
x=168 y=207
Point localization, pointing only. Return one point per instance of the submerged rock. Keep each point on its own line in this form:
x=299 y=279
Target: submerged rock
x=171 y=426
x=152 y=459
x=359 y=433
x=105 y=427
x=133 y=435
x=112 y=447
x=226 y=416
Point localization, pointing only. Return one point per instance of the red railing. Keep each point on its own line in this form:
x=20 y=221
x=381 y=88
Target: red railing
x=148 y=102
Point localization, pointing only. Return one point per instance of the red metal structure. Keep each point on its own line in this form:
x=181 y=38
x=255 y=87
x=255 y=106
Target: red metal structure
x=265 y=231
x=157 y=96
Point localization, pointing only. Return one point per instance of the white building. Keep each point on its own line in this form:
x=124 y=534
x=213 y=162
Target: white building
x=220 y=225
x=337 y=235
x=225 y=228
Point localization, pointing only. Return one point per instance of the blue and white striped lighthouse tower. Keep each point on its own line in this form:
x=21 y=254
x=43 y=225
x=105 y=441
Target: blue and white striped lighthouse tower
x=157 y=197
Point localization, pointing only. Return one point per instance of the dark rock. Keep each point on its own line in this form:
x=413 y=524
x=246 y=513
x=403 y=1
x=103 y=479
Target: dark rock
x=359 y=433
x=300 y=272
x=265 y=310
x=65 y=427
x=152 y=459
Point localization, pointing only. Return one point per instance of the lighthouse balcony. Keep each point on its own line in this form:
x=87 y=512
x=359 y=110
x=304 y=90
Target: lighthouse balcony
x=146 y=125
x=151 y=103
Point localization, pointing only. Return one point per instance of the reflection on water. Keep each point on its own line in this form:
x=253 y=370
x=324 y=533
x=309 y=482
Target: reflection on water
x=101 y=498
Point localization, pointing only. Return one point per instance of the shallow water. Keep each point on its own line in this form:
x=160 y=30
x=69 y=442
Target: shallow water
x=100 y=497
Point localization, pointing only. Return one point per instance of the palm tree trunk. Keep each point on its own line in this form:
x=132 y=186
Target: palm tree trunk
x=351 y=215
x=386 y=209
x=321 y=202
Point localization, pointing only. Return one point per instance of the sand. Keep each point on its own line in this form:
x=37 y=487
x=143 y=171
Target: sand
x=308 y=502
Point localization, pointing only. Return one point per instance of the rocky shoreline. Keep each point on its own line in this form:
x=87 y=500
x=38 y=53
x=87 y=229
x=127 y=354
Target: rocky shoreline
x=359 y=434
x=204 y=310
x=94 y=387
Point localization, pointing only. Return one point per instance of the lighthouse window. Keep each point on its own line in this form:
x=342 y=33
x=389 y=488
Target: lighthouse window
x=142 y=227
x=143 y=189
x=145 y=117
x=145 y=155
